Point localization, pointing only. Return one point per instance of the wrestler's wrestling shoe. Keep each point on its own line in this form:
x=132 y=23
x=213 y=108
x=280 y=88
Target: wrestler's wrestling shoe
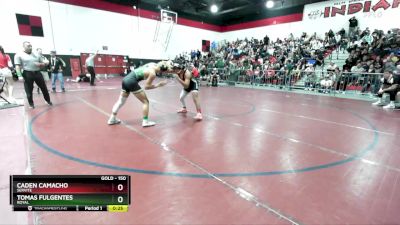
x=198 y=116
x=113 y=121
x=147 y=123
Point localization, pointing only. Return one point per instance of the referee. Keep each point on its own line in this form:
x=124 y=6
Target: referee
x=90 y=68
x=28 y=66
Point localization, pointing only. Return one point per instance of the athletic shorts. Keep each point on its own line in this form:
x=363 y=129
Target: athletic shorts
x=131 y=84
x=6 y=72
x=193 y=86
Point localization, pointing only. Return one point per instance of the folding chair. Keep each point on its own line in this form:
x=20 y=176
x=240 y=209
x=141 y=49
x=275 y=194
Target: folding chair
x=4 y=82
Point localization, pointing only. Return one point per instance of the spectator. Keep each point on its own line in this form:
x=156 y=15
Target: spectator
x=331 y=67
x=357 y=73
x=372 y=81
x=198 y=54
x=342 y=32
x=90 y=67
x=391 y=86
x=288 y=72
x=368 y=38
x=82 y=78
x=342 y=81
x=5 y=71
x=327 y=82
x=310 y=77
x=343 y=43
x=331 y=34
x=57 y=66
x=319 y=58
x=397 y=71
x=338 y=38
x=214 y=78
x=195 y=71
x=44 y=71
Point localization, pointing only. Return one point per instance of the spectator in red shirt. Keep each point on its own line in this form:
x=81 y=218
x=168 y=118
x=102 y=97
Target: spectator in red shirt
x=195 y=71
x=5 y=65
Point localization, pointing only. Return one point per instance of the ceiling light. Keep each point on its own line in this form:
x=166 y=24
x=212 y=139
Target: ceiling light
x=269 y=4
x=214 y=8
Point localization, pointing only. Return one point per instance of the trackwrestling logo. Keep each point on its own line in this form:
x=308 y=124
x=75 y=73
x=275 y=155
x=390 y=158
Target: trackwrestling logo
x=315 y=14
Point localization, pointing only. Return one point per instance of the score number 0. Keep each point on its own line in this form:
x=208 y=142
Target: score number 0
x=120 y=187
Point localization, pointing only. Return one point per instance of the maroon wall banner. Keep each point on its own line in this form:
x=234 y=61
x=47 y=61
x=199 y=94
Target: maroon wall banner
x=205 y=46
x=29 y=25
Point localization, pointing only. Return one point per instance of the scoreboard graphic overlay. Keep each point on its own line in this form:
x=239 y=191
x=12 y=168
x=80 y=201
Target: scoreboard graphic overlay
x=70 y=193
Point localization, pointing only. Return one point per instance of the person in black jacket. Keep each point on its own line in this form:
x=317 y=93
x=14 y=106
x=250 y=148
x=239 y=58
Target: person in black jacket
x=353 y=24
x=56 y=66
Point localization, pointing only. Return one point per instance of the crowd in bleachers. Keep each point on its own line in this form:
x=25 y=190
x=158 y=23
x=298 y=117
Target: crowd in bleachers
x=287 y=60
x=373 y=51
x=368 y=52
x=278 y=57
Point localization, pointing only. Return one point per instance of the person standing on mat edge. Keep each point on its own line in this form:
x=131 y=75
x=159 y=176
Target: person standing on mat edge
x=43 y=71
x=90 y=67
x=130 y=84
x=56 y=69
x=27 y=66
x=190 y=85
x=5 y=65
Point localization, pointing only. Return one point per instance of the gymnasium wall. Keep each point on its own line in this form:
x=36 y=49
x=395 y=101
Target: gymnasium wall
x=375 y=14
x=72 y=29
x=273 y=31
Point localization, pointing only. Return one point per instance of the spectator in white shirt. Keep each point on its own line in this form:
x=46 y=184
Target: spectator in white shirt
x=331 y=67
